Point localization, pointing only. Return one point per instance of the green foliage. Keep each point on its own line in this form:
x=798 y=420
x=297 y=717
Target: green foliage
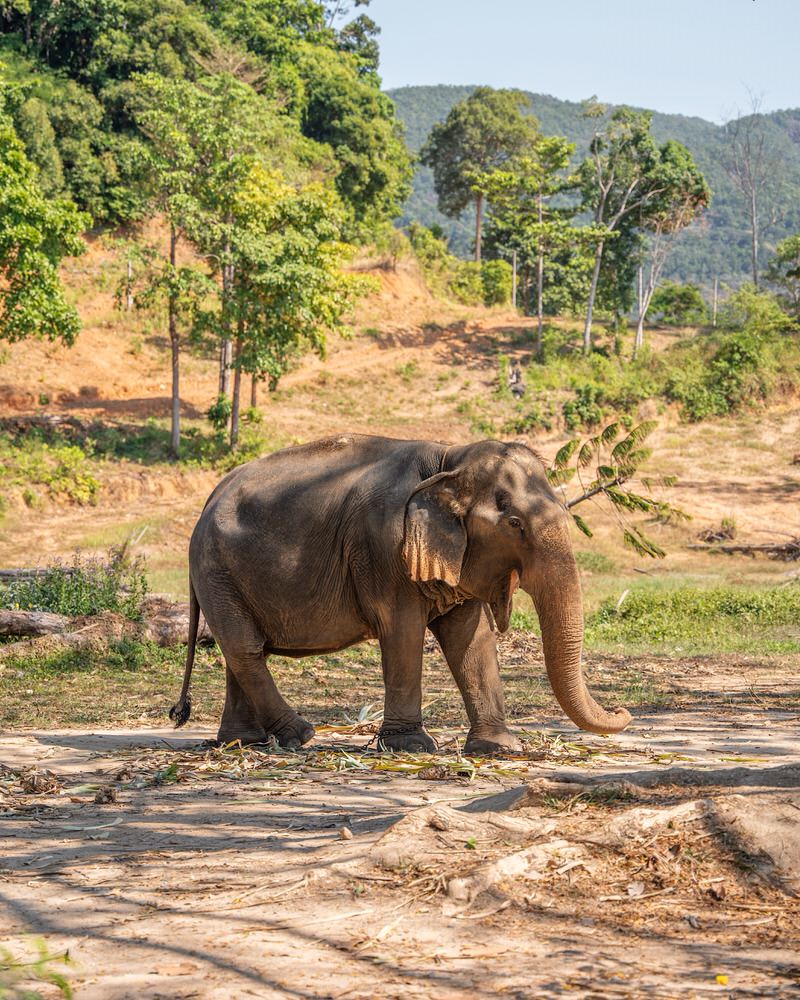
x=466 y=281
x=496 y=282
x=36 y=232
x=784 y=273
x=479 y=135
x=18 y=974
x=723 y=619
x=678 y=305
x=617 y=459
x=61 y=468
x=584 y=410
x=219 y=413
x=738 y=368
x=718 y=248
x=84 y=587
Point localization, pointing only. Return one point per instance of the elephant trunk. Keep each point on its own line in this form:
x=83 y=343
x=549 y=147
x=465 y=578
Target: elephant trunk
x=555 y=589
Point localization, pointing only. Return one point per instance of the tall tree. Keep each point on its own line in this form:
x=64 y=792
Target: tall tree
x=521 y=217
x=683 y=194
x=619 y=182
x=754 y=166
x=289 y=288
x=36 y=233
x=479 y=135
x=167 y=112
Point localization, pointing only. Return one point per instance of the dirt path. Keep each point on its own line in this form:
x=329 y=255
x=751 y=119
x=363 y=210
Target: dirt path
x=635 y=868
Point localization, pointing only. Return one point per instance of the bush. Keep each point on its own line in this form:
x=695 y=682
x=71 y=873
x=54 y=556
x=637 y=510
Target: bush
x=678 y=305
x=584 y=410
x=496 y=282
x=61 y=468
x=465 y=283
x=86 y=587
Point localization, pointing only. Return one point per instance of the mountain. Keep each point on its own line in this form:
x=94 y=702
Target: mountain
x=717 y=246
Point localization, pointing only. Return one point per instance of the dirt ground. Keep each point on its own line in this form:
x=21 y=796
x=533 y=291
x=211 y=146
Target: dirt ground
x=664 y=862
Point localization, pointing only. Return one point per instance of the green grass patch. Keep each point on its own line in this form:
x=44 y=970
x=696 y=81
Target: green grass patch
x=691 y=620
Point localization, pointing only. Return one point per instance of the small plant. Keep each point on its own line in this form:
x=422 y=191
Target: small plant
x=17 y=975
x=44 y=399
x=219 y=413
x=408 y=371
x=85 y=587
x=584 y=410
x=252 y=415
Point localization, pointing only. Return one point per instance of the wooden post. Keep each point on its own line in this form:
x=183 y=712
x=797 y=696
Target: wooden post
x=514 y=279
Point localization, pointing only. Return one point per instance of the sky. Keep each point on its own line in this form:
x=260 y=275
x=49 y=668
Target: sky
x=692 y=57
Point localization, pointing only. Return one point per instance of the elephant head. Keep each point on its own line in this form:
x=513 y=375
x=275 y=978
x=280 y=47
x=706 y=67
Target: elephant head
x=489 y=522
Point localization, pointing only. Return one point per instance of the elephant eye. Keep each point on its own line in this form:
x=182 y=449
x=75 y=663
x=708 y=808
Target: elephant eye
x=515 y=522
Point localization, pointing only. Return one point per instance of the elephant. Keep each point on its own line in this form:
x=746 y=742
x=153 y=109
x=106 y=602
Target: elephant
x=321 y=546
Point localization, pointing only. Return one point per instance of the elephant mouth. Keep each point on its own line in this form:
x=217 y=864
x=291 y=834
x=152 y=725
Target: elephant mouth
x=502 y=599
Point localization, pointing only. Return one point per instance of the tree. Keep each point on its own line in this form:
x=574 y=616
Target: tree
x=754 y=167
x=164 y=111
x=682 y=194
x=479 y=135
x=36 y=233
x=784 y=272
x=521 y=218
x=619 y=182
x=289 y=287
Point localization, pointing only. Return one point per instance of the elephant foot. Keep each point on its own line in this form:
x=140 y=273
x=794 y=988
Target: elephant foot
x=408 y=740
x=484 y=743
x=246 y=735
x=292 y=731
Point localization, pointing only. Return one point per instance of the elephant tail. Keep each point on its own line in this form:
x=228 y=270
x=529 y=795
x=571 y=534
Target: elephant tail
x=182 y=709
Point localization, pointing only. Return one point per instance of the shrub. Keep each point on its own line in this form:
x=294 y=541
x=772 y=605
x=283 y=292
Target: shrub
x=465 y=283
x=678 y=305
x=219 y=413
x=585 y=409
x=496 y=282
x=85 y=587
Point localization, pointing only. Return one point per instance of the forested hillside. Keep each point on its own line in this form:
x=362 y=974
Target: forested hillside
x=716 y=246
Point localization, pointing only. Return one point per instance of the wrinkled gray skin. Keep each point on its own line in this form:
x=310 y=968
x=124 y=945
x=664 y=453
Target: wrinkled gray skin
x=319 y=547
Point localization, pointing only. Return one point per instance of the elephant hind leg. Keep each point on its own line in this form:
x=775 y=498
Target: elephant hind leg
x=254 y=708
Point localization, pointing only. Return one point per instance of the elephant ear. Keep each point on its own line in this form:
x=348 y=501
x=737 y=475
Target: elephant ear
x=434 y=539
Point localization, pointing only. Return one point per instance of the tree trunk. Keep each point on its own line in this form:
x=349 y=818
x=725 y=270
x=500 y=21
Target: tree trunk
x=237 y=390
x=754 y=235
x=638 y=340
x=174 y=342
x=540 y=289
x=478 y=214
x=587 y=328
x=253 y=392
x=226 y=347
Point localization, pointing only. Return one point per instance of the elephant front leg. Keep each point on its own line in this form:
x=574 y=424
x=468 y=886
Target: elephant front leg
x=470 y=648
x=401 y=659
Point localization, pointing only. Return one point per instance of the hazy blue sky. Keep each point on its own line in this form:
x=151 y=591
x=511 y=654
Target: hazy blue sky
x=696 y=57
